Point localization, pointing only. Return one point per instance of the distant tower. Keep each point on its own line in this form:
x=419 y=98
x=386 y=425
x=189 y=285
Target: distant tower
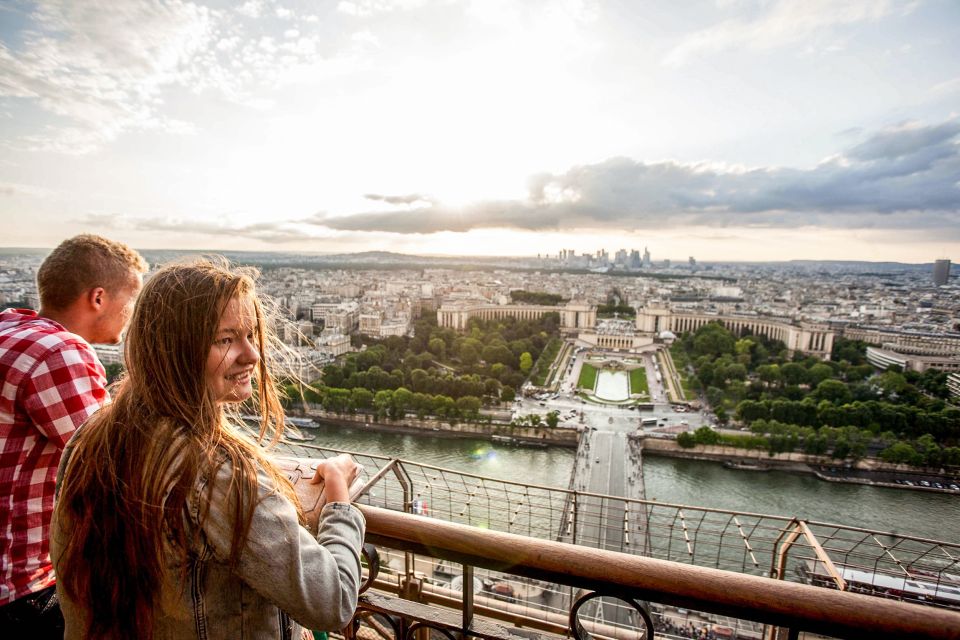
x=941 y=272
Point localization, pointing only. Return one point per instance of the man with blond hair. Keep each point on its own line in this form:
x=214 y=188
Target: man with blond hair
x=51 y=381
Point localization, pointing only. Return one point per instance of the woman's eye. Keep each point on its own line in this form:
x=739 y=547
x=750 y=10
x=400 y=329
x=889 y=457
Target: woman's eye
x=225 y=341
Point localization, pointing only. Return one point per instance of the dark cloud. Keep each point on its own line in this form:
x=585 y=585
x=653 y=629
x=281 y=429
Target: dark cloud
x=280 y=232
x=900 y=178
x=905 y=141
x=413 y=198
x=912 y=171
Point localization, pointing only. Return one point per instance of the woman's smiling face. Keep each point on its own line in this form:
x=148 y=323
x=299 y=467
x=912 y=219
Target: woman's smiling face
x=233 y=357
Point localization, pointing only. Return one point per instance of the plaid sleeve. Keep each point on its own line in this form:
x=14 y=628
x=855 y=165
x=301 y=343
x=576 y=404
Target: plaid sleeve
x=63 y=390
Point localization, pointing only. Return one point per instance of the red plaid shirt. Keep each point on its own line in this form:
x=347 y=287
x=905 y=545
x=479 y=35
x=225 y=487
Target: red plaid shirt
x=50 y=382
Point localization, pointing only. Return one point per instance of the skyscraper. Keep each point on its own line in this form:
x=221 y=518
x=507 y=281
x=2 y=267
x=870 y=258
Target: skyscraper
x=941 y=272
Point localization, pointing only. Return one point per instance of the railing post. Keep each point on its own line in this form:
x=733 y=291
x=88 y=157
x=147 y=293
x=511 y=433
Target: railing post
x=574 y=509
x=467 y=598
x=404 y=479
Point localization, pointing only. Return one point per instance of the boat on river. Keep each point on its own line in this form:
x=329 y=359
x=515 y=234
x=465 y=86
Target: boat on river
x=941 y=590
x=745 y=466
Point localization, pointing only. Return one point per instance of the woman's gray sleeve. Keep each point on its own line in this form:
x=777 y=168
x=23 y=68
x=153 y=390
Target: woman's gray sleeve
x=314 y=580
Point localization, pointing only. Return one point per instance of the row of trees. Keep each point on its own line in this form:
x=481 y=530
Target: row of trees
x=838 y=442
x=536 y=297
x=438 y=371
x=841 y=407
x=394 y=403
x=874 y=416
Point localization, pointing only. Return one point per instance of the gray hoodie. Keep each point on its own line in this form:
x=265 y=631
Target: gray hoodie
x=286 y=578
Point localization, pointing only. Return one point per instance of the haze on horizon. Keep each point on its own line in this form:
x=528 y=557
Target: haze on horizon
x=725 y=129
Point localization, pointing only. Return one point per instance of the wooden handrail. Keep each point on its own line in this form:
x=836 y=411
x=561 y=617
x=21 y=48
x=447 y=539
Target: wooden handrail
x=785 y=604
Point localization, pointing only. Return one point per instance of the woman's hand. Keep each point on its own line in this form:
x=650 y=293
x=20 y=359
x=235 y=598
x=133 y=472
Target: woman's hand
x=337 y=474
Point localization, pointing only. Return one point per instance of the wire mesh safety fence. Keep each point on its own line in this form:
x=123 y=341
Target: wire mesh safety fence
x=829 y=555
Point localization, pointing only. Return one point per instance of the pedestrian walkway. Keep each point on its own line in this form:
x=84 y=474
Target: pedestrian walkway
x=608 y=467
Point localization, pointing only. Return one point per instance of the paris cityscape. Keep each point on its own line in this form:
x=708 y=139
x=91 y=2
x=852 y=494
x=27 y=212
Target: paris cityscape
x=617 y=320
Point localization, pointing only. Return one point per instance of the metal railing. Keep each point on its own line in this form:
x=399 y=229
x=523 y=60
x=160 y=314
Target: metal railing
x=634 y=581
x=728 y=554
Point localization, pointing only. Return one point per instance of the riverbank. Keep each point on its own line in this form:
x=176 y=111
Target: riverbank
x=865 y=472
x=868 y=472
x=493 y=431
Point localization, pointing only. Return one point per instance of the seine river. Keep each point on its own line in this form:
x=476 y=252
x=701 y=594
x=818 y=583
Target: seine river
x=706 y=484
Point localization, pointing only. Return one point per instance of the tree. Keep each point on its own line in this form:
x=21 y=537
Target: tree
x=402 y=400
x=833 y=391
x=713 y=339
x=929 y=450
x=769 y=374
x=507 y=394
x=498 y=353
x=859 y=372
x=419 y=380
x=422 y=404
x=444 y=406
x=734 y=371
x=794 y=373
x=750 y=410
x=491 y=388
x=722 y=416
x=853 y=351
x=892 y=382
x=553 y=419
x=706 y=435
x=469 y=355
x=686 y=440
x=113 y=371
x=901 y=453
x=469 y=406
x=744 y=346
x=526 y=362
x=336 y=400
x=437 y=347
x=382 y=402
x=818 y=373
x=361 y=398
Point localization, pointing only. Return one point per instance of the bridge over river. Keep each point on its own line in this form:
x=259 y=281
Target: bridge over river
x=608 y=464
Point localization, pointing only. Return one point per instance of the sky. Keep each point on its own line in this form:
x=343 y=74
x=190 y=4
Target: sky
x=720 y=129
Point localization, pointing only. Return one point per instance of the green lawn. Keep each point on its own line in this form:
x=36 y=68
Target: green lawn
x=680 y=361
x=588 y=377
x=546 y=359
x=638 y=381
x=560 y=362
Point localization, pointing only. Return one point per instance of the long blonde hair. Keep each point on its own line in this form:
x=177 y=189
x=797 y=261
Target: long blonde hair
x=125 y=489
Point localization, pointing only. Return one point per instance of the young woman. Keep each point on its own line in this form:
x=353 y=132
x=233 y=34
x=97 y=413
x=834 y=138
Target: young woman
x=170 y=523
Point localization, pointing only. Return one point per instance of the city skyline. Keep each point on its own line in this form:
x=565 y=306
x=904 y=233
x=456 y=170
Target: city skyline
x=727 y=130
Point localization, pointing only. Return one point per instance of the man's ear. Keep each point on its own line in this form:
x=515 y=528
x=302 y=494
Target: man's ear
x=96 y=298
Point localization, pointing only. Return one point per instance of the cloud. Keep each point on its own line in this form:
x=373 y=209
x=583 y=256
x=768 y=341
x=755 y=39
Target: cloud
x=104 y=67
x=99 y=67
x=946 y=87
x=279 y=232
x=898 y=177
x=787 y=22
x=13 y=189
x=905 y=177
x=366 y=8
x=412 y=198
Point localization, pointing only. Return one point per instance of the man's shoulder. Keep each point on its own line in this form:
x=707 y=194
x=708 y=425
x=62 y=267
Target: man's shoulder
x=37 y=338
